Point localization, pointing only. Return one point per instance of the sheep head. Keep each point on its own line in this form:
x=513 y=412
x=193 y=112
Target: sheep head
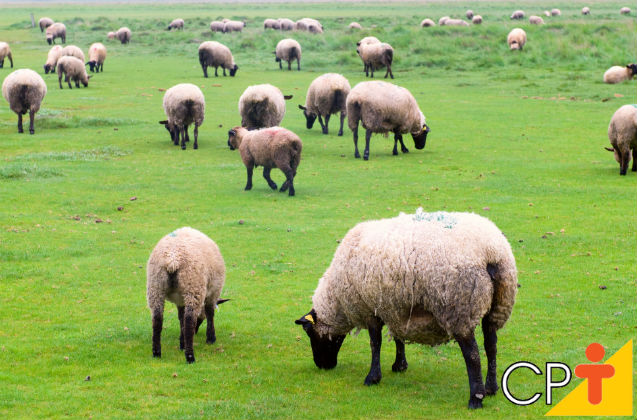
x=420 y=138
x=233 y=70
x=91 y=65
x=234 y=137
x=172 y=130
x=324 y=348
x=310 y=118
x=632 y=68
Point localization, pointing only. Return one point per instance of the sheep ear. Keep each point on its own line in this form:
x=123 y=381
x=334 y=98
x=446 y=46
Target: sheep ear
x=232 y=133
x=164 y=122
x=302 y=107
x=220 y=301
x=309 y=318
x=609 y=149
x=287 y=97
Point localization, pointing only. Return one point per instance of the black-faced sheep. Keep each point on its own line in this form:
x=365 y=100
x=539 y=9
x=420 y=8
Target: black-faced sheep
x=271 y=24
x=476 y=20
x=455 y=22
x=262 y=106
x=286 y=24
x=624 y=10
x=354 y=25
x=24 y=90
x=382 y=108
x=442 y=20
x=288 y=50
x=516 y=39
x=518 y=14
x=469 y=14
x=176 y=24
x=273 y=147
x=233 y=26
x=326 y=95
x=536 y=20
x=123 y=34
x=5 y=52
x=73 y=69
x=586 y=10
x=426 y=23
x=44 y=23
x=622 y=133
x=556 y=12
x=376 y=56
x=186 y=268
x=215 y=54
x=618 y=74
x=430 y=277
x=366 y=41
x=56 y=30
x=216 y=26
x=184 y=104
x=52 y=59
x=96 y=57
x=309 y=25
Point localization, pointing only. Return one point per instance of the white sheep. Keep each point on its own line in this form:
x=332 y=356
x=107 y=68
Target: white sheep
x=96 y=57
x=376 y=56
x=233 y=26
x=44 y=23
x=624 y=10
x=586 y=10
x=186 y=268
x=176 y=24
x=72 y=51
x=547 y=13
x=618 y=74
x=24 y=90
x=442 y=20
x=184 y=104
x=286 y=24
x=123 y=34
x=469 y=14
x=111 y=35
x=216 y=26
x=622 y=133
x=556 y=12
x=455 y=22
x=215 y=54
x=516 y=39
x=309 y=25
x=326 y=95
x=271 y=24
x=382 y=108
x=73 y=69
x=52 y=59
x=355 y=25
x=476 y=20
x=273 y=147
x=366 y=41
x=56 y=30
x=288 y=50
x=5 y=52
x=262 y=106
x=430 y=277
x=536 y=20
x=426 y=23
x=518 y=14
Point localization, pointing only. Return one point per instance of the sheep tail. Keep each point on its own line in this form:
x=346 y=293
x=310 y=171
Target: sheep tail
x=505 y=286
x=202 y=57
x=172 y=262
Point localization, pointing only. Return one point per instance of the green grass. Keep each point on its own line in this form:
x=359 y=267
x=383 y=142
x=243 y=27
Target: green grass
x=517 y=137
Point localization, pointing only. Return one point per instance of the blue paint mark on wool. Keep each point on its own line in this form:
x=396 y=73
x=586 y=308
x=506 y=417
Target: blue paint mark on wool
x=446 y=219
x=173 y=234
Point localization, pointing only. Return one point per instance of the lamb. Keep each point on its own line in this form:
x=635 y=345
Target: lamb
x=73 y=69
x=286 y=24
x=184 y=104
x=288 y=50
x=536 y=20
x=430 y=277
x=624 y=10
x=426 y=23
x=516 y=39
x=72 y=51
x=262 y=106
x=96 y=57
x=271 y=24
x=233 y=26
x=215 y=54
x=111 y=35
x=477 y=20
x=518 y=14
x=469 y=14
x=547 y=13
x=273 y=147
x=123 y=34
x=622 y=133
x=556 y=12
x=176 y=24
x=586 y=11
x=24 y=90
x=5 y=52
x=186 y=268
x=618 y=74
x=56 y=30
x=376 y=56
x=44 y=23
x=355 y=25
x=216 y=26
x=383 y=107
x=455 y=22
x=326 y=95
x=442 y=20
x=52 y=59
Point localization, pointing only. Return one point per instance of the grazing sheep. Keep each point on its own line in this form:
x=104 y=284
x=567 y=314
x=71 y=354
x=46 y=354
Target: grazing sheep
x=382 y=108
x=536 y=20
x=176 y=24
x=366 y=41
x=430 y=277
x=184 y=104
x=586 y=11
x=476 y=20
x=24 y=90
x=273 y=147
x=442 y=20
x=52 y=59
x=547 y=13
x=455 y=22
x=216 y=26
x=622 y=133
x=309 y=25
x=286 y=24
x=186 y=268
x=516 y=39
x=624 y=11
x=72 y=51
x=556 y=12
x=5 y=52
x=215 y=54
x=56 y=30
x=426 y=23
x=233 y=26
x=518 y=14
x=44 y=23
x=123 y=34
x=469 y=14
x=355 y=25
x=618 y=74
x=73 y=70
x=326 y=95
x=288 y=50
x=111 y=35
x=376 y=56
x=271 y=24
x=96 y=57
x=262 y=106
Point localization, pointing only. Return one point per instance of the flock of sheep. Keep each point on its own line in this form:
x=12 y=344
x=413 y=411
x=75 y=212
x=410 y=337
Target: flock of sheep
x=430 y=277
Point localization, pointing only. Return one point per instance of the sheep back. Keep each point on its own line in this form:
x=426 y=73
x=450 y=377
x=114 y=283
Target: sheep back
x=261 y=106
x=288 y=49
x=271 y=24
x=286 y=24
x=176 y=24
x=426 y=23
x=516 y=39
x=536 y=20
x=456 y=22
x=123 y=34
x=377 y=55
x=184 y=104
x=56 y=30
x=622 y=131
x=74 y=68
x=24 y=89
x=327 y=94
x=267 y=147
x=72 y=51
x=215 y=54
x=476 y=20
x=355 y=25
x=44 y=23
x=216 y=26
x=618 y=74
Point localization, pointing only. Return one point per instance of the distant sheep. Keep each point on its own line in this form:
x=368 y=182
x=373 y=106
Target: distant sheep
x=326 y=95
x=518 y=14
x=442 y=20
x=273 y=147
x=355 y=25
x=5 y=52
x=376 y=56
x=111 y=35
x=262 y=106
x=618 y=74
x=426 y=23
x=184 y=104
x=556 y=12
x=73 y=69
x=516 y=39
x=52 y=59
x=624 y=10
x=233 y=26
x=176 y=24
x=216 y=26
x=186 y=268
x=72 y=51
x=477 y=20
x=123 y=34
x=309 y=25
x=383 y=108
x=586 y=11
x=44 y=23
x=271 y=24
x=536 y=20
x=469 y=14
x=455 y=22
x=215 y=54
x=622 y=133
x=288 y=50
x=286 y=24
x=547 y=13
x=24 y=90
x=56 y=30
x=366 y=41
x=96 y=57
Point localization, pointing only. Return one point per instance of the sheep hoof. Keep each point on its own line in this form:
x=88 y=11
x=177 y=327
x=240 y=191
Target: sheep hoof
x=157 y=354
x=394 y=152
x=190 y=358
x=399 y=366
x=20 y=130
x=492 y=389
x=340 y=133
x=248 y=187
x=291 y=193
x=274 y=186
x=405 y=150
x=211 y=340
x=475 y=403
x=32 y=131
x=357 y=155
x=372 y=379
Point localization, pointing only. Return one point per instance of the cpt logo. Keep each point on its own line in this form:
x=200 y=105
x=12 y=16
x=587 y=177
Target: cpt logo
x=607 y=389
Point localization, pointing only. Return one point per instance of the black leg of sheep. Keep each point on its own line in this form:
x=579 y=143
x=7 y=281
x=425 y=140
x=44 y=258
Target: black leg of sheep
x=196 y=134
x=249 y=168
x=375 y=328
x=327 y=123
x=189 y=332
x=400 y=365
x=471 y=356
x=266 y=175
x=20 y=130
x=340 y=131
x=368 y=137
x=323 y=124
x=634 y=168
x=491 y=348
x=355 y=133
x=180 y=315
x=31 y=120
x=211 y=336
x=399 y=138
x=158 y=321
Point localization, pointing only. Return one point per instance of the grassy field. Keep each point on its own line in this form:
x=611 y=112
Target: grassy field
x=516 y=137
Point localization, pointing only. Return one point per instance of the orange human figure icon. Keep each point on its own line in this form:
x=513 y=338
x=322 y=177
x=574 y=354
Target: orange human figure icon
x=595 y=373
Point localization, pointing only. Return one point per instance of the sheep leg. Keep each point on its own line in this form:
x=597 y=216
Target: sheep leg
x=355 y=132
x=67 y=79
x=402 y=145
x=400 y=365
x=290 y=65
x=189 y=333
x=211 y=337
x=368 y=137
x=395 y=151
x=196 y=134
x=182 y=130
x=187 y=137
x=31 y=119
x=266 y=175
x=204 y=67
x=366 y=70
x=20 y=130
x=624 y=158
x=389 y=72
x=371 y=71
x=216 y=75
x=60 y=79
x=249 y=168
x=289 y=179
x=491 y=347
x=281 y=65
x=298 y=64
x=634 y=168
x=471 y=355
x=340 y=131
x=224 y=72
x=180 y=315
x=323 y=125
x=327 y=122
x=158 y=321
x=375 y=328
x=77 y=83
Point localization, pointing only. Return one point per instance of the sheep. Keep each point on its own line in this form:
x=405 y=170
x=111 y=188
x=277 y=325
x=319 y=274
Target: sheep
x=176 y=24
x=516 y=39
x=288 y=50
x=56 y=30
x=310 y=25
x=618 y=74
x=73 y=69
x=186 y=268
x=215 y=54
x=455 y=22
x=355 y=25
x=52 y=59
x=476 y=20
x=469 y=14
x=366 y=41
x=123 y=34
x=547 y=13
x=622 y=133
x=383 y=107
x=44 y=23
x=24 y=90
x=624 y=10
x=72 y=51
x=271 y=24
x=326 y=95
x=273 y=147
x=233 y=26
x=430 y=277
x=262 y=106
x=184 y=104
x=110 y=35
x=286 y=24
x=518 y=14
x=442 y=20
x=376 y=56
x=426 y=23
x=556 y=12
x=5 y=52
x=96 y=57
x=586 y=10
x=216 y=26
x=536 y=20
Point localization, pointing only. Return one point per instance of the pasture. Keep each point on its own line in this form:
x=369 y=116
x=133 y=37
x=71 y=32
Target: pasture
x=515 y=136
